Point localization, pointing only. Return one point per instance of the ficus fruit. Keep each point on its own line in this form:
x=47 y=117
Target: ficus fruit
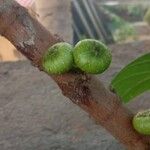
x=141 y=122
x=92 y=56
x=58 y=59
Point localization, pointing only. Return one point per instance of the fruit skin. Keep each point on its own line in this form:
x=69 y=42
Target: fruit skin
x=92 y=56
x=141 y=122
x=58 y=59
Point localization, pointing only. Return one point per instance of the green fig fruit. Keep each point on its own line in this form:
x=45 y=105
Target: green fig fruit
x=58 y=59
x=92 y=56
x=141 y=122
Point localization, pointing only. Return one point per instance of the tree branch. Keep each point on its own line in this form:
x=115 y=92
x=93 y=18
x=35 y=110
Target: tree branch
x=32 y=40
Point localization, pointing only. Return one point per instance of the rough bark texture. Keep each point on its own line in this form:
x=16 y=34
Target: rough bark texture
x=55 y=15
x=32 y=39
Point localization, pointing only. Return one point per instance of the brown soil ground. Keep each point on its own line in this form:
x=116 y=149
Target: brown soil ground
x=35 y=116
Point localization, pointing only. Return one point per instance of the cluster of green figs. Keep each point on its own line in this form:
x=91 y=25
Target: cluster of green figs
x=90 y=56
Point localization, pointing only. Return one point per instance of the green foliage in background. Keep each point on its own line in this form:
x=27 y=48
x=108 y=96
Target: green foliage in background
x=137 y=10
x=129 y=12
x=147 y=16
x=121 y=29
x=124 y=32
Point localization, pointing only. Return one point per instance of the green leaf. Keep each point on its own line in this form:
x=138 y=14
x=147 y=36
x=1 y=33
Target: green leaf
x=133 y=80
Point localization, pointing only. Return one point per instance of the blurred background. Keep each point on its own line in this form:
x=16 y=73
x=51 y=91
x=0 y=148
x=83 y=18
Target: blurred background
x=112 y=22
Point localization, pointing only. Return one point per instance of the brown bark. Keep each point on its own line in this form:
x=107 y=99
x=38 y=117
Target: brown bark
x=32 y=39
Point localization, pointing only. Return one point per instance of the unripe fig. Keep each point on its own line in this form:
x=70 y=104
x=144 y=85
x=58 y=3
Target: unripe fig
x=58 y=59
x=92 y=56
x=141 y=122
